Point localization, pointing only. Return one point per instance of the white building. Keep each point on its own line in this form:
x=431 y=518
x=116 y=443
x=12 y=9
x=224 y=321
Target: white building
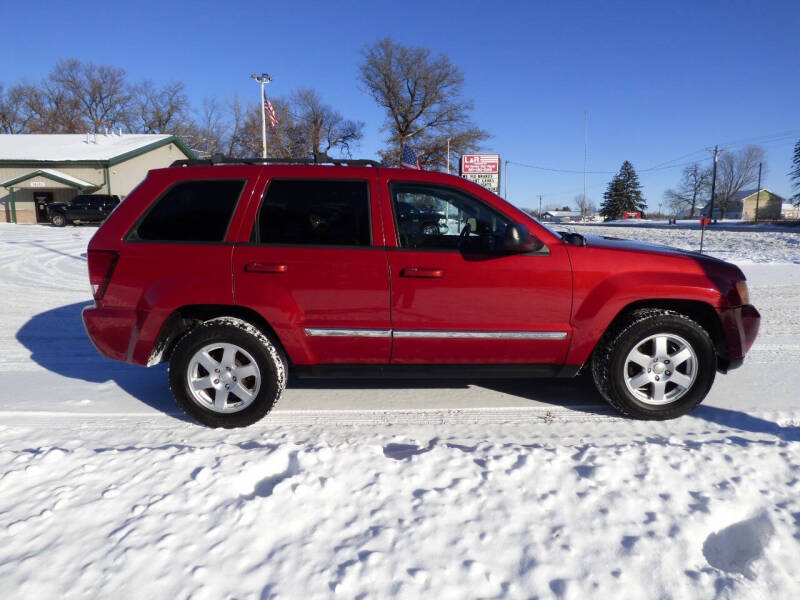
x=38 y=169
x=561 y=216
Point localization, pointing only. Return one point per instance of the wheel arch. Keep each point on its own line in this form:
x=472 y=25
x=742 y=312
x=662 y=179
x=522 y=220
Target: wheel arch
x=186 y=317
x=700 y=312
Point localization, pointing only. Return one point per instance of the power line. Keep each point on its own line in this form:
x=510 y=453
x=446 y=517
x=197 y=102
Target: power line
x=763 y=139
x=540 y=168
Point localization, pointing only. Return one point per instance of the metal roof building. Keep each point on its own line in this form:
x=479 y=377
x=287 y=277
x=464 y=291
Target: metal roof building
x=38 y=169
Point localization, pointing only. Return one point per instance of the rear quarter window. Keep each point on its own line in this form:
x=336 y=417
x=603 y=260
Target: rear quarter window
x=191 y=211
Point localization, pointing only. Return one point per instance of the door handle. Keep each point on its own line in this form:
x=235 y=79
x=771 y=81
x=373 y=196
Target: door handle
x=259 y=267
x=422 y=273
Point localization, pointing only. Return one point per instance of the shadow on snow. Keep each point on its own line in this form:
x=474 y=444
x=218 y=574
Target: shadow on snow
x=58 y=342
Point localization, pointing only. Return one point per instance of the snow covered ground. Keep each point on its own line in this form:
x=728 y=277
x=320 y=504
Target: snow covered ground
x=389 y=489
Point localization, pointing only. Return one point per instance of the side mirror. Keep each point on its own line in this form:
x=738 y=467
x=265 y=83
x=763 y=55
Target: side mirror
x=518 y=240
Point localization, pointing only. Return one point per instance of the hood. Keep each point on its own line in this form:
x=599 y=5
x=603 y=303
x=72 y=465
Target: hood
x=721 y=267
x=613 y=243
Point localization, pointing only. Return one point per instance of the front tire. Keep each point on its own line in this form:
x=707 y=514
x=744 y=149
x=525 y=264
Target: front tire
x=657 y=365
x=58 y=220
x=226 y=373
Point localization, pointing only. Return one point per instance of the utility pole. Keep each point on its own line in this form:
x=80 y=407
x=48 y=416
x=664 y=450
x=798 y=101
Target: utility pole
x=540 y=206
x=758 y=191
x=506 y=176
x=713 y=182
x=263 y=79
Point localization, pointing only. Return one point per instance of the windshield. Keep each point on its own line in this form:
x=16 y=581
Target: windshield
x=550 y=229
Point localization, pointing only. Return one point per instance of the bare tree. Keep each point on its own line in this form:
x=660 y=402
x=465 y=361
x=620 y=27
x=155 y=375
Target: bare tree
x=101 y=91
x=735 y=171
x=584 y=205
x=155 y=109
x=210 y=131
x=45 y=108
x=12 y=117
x=695 y=184
x=304 y=126
x=422 y=97
x=325 y=128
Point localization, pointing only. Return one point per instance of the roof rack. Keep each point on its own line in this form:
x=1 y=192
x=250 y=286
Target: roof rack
x=318 y=159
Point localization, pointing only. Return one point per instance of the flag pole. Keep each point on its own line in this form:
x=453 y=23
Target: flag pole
x=263 y=79
x=263 y=122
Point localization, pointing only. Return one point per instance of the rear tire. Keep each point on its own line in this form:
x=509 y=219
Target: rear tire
x=227 y=373
x=58 y=220
x=657 y=365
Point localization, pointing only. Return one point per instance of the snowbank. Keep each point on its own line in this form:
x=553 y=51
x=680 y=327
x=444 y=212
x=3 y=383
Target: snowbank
x=567 y=510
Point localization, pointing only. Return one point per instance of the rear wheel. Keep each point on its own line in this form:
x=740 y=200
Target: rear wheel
x=58 y=220
x=227 y=373
x=658 y=365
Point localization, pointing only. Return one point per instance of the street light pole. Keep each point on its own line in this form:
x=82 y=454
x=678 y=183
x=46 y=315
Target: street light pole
x=448 y=156
x=263 y=79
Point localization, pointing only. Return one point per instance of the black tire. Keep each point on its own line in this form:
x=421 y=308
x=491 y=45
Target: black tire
x=58 y=220
x=265 y=352
x=610 y=367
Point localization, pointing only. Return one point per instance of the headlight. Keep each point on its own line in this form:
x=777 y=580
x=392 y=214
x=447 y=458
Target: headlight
x=744 y=294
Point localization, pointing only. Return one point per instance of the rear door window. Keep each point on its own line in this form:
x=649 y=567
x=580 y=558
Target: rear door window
x=192 y=211
x=315 y=213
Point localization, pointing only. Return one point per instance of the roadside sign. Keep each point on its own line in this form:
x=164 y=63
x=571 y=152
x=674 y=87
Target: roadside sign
x=483 y=169
x=704 y=221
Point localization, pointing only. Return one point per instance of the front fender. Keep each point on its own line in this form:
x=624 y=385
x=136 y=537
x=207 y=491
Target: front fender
x=598 y=303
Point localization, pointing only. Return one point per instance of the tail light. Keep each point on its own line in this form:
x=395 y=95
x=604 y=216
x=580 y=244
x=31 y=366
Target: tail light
x=101 y=266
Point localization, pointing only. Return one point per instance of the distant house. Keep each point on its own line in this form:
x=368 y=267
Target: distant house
x=561 y=216
x=790 y=211
x=36 y=170
x=743 y=206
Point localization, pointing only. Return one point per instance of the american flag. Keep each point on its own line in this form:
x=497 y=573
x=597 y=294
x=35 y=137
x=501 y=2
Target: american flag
x=273 y=118
x=410 y=159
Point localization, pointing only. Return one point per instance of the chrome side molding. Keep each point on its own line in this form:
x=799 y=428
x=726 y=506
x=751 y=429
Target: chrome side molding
x=486 y=335
x=370 y=333
x=490 y=335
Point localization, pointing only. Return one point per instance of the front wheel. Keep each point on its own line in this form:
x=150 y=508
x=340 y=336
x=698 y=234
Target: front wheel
x=658 y=365
x=226 y=373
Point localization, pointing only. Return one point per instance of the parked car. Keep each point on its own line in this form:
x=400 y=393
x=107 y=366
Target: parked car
x=84 y=208
x=238 y=274
x=415 y=221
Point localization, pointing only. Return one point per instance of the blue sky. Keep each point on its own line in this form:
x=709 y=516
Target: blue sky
x=659 y=80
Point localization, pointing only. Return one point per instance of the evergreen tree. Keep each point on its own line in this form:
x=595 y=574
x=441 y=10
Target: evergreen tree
x=623 y=194
x=794 y=174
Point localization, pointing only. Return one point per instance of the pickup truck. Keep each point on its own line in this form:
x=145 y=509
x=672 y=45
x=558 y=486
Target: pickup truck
x=84 y=208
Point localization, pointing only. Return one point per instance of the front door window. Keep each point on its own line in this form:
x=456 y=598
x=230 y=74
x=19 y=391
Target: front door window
x=430 y=217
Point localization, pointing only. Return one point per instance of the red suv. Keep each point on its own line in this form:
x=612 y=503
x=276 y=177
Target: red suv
x=238 y=273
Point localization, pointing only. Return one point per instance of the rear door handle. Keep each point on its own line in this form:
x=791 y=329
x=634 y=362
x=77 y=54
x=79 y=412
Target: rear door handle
x=259 y=267
x=422 y=273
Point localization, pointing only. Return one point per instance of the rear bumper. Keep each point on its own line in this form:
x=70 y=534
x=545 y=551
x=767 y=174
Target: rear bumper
x=110 y=330
x=740 y=328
